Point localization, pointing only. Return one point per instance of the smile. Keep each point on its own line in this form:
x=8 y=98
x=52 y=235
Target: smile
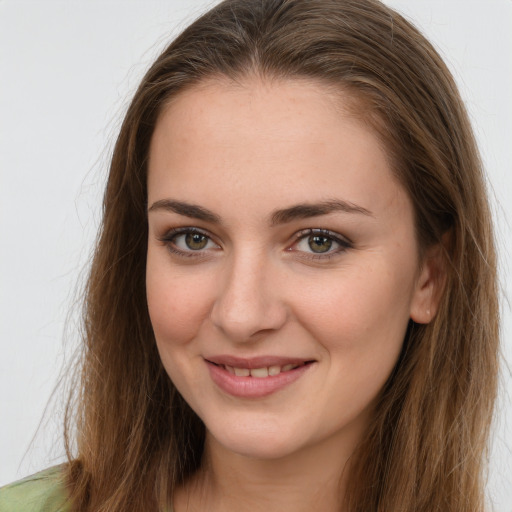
x=261 y=373
x=255 y=378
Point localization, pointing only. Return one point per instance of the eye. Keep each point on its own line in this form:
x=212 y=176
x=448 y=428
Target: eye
x=320 y=243
x=192 y=241
x=188 y=241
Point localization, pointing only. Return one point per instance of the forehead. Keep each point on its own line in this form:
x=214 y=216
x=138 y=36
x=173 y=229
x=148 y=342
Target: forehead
x=257 y=140
x=259 y=106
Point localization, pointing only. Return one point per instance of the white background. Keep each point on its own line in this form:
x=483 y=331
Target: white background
x=67 y=70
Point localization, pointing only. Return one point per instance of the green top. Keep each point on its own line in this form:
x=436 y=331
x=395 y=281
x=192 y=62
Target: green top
x=42 y=492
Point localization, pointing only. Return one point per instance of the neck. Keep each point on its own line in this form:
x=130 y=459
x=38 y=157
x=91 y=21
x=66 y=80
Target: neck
x=312 y=479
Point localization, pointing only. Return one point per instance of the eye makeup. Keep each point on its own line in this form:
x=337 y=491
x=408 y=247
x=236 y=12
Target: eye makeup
x=311 y=243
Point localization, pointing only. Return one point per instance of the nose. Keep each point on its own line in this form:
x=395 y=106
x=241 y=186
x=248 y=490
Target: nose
x=249 y=304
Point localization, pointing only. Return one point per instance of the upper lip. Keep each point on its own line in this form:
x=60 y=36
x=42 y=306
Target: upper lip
x=255 y=362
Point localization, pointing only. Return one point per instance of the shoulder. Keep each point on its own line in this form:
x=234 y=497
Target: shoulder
x=42 y=492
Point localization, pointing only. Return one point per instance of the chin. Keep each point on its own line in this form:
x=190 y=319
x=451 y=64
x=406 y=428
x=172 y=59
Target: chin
x=260 y=448
x=265 y=442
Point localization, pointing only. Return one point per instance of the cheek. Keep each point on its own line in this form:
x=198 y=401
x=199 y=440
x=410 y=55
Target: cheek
x=360 y=324
x=178 y=301
x=359 y=319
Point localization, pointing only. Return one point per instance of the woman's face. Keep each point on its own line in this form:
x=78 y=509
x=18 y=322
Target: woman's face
x=282 y=265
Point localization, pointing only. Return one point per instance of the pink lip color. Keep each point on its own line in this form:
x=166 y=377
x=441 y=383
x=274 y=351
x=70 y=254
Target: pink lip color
x=254 y=387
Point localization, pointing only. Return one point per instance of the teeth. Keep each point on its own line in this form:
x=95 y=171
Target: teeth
x=261 y=373
x=274 y=370
x=242 y=372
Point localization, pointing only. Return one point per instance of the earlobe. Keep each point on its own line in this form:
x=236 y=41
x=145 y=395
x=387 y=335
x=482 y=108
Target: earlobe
x=429 y=285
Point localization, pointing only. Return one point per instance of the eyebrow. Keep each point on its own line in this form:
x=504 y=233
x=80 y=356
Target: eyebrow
x=186 y=209
x=296 y=212
x=306 y=210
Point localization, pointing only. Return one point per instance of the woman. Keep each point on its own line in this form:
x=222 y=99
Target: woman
x=292 y=304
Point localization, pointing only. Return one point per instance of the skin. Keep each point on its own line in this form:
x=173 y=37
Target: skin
x=244 y=151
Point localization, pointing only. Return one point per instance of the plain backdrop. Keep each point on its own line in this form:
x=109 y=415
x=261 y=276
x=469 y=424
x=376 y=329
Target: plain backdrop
x=67 y=71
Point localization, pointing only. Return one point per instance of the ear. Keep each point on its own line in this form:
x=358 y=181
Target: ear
x=429 y=285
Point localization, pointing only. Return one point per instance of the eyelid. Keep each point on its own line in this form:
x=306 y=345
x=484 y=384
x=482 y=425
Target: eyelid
x=168 y=237
x=343 y=242
x=342 y=239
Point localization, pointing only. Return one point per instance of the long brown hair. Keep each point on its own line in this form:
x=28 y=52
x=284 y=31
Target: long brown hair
x=135 y=438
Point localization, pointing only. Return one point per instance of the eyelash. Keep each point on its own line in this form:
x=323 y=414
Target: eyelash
x=343 y=243
x=169 y=239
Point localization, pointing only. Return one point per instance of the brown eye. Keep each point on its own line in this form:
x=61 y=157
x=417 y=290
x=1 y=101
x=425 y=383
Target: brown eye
x=320 y=243
x=196 y=241
x=189 y=241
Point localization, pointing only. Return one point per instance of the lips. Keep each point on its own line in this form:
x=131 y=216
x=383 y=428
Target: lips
x=255 y=377
x=261 y=373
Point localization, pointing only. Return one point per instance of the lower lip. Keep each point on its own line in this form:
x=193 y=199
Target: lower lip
x=254 y=387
